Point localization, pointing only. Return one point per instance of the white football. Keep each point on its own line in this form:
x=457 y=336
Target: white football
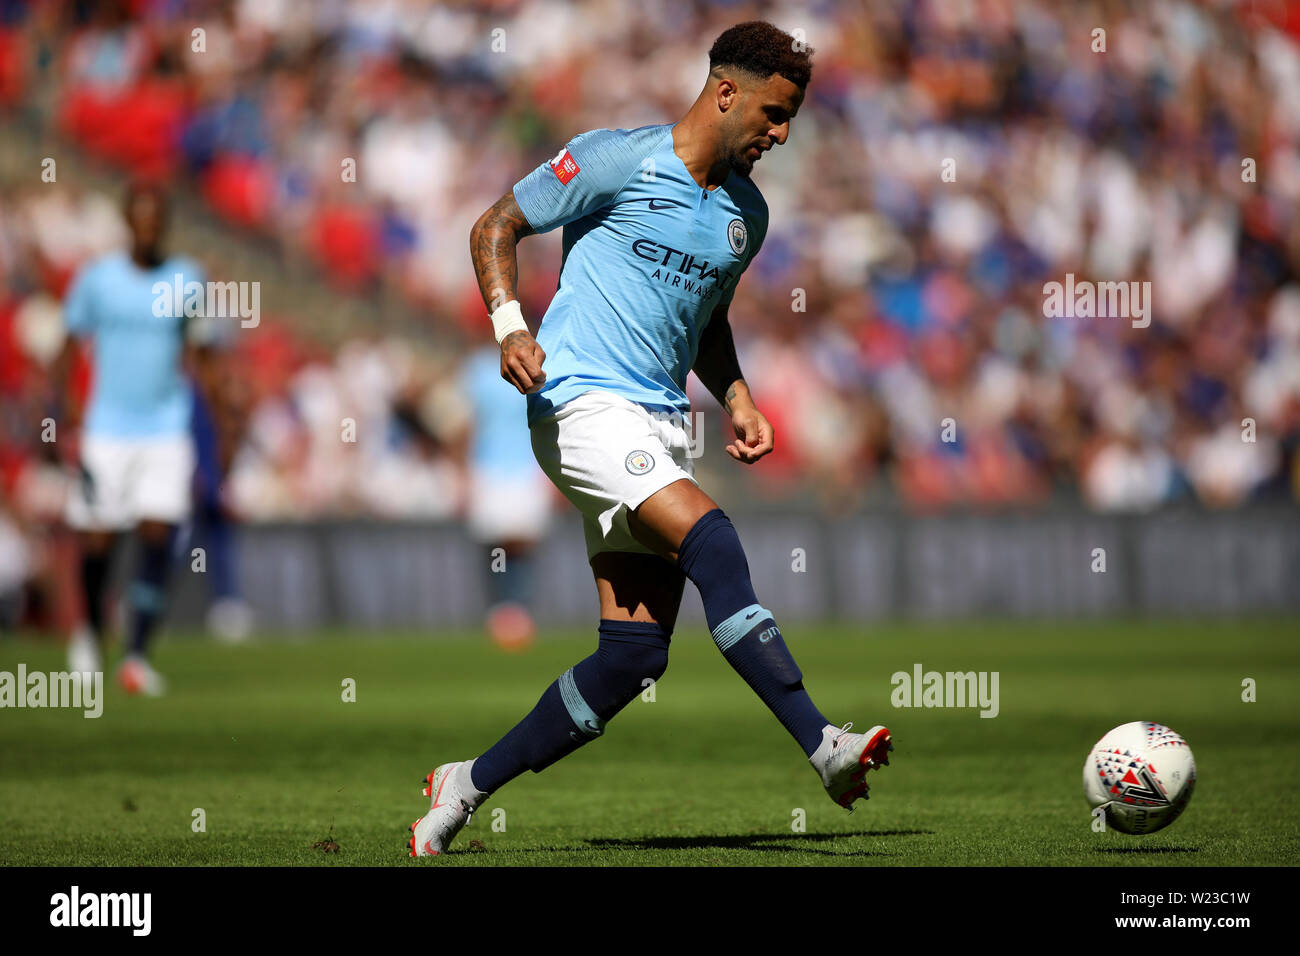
x=1143 y=774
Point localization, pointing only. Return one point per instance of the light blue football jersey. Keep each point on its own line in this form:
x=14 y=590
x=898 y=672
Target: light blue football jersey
x=648 y=254
x=140 y=389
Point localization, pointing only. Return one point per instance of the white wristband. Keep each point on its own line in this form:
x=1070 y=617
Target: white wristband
x=508 y=319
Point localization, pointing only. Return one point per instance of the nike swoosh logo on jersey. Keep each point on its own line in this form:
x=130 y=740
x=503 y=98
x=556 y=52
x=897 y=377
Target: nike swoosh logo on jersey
x=663 y=204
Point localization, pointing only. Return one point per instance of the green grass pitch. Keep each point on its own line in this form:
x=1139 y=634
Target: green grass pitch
x=261 y=740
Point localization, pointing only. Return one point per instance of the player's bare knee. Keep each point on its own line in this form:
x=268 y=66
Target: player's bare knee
x=154 y=533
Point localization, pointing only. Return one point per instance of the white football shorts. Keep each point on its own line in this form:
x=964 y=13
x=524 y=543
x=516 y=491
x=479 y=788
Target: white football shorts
x=129 y=480
x=607 y=455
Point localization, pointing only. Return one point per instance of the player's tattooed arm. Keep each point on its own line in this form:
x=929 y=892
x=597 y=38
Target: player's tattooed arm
x=492 y=244
x=718 y=368
x=733 y=395
x=716 y=364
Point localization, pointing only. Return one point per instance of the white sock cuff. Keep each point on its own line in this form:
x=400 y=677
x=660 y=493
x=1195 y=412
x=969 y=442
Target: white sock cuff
x=824 y=747
x=466 y=784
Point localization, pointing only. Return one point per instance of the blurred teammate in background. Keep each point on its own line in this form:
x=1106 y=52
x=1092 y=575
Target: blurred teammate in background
x=501 y=468
x=135 y=452
x=218 y=423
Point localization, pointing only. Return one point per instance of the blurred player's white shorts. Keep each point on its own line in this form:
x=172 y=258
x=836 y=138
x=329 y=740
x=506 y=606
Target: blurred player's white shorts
x=132 y=480
x=608 y=455
x=508 y=507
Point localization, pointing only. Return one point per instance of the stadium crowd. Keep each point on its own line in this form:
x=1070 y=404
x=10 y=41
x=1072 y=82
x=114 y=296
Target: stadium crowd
x=950 y=160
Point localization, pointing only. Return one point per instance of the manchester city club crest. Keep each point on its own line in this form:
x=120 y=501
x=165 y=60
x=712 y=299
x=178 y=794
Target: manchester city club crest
x=639 y=462
x=737 y=235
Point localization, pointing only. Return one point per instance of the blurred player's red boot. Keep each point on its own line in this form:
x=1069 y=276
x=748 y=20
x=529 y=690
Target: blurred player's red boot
x=137 y=677
x=453 y=798
x=843 y=760
x=511 y=627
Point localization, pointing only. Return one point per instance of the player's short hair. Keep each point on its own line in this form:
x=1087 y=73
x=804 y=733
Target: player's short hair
x=144 y=188
x=760 y=49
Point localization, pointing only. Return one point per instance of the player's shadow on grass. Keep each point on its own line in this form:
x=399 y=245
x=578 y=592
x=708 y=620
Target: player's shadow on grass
x=1149 y=849
x=754 y=841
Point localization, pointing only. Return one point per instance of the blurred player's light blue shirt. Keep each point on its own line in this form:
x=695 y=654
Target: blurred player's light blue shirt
x=648 y=254
x=501 y=444
x=140 y=389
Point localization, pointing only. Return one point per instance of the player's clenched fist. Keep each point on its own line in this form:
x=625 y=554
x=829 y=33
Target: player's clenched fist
x=521 y=362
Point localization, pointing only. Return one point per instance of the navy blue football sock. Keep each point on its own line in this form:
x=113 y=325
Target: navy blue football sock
x=575 y=708
x=94 y=578
x=148 y=592
x=745 y=632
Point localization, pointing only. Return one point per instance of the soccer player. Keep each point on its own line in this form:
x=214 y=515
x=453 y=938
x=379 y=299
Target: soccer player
x=501 y=468
x=217 y=425
x=136 y=455
x=659 y=224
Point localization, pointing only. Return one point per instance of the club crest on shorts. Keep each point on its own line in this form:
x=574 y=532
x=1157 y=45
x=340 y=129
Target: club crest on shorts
x=639 y=462
x=737 y=235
